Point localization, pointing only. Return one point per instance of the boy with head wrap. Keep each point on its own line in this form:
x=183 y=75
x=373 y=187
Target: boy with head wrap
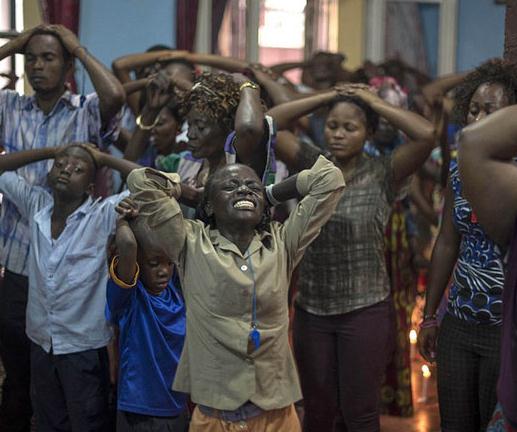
x=144 y=299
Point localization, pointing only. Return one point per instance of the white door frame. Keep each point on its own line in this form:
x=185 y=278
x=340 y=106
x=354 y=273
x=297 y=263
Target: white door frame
x=447 y=32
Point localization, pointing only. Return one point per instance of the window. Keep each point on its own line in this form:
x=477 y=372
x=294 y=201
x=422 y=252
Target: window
x=431 y=25
x=11 y=22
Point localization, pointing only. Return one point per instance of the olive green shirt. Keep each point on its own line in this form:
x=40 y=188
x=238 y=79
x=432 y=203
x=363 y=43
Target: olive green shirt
x=216 y=366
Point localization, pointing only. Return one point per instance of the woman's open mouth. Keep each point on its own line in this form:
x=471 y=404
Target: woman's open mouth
x=244 y=204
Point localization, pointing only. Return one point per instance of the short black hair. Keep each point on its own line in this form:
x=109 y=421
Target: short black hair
x=162 y=47
x=372 y=118
x=209 y=219
x=158 y=47
x=67 y=55
x=180 y=61
x=496 y=71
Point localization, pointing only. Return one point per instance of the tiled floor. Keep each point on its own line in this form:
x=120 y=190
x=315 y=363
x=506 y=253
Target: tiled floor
x=426 y=417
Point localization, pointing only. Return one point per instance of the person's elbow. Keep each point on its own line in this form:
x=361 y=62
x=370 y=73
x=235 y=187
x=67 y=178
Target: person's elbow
x=250 y=131
x=428 y=134
x=112 y=100
x=118 y=96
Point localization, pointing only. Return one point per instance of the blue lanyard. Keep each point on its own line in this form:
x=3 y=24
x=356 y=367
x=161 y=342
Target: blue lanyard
x=254 y=335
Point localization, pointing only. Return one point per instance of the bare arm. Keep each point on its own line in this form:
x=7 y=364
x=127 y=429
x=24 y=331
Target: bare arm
x=126 y=242
x=286 y=113
x=108 y=88
x=228 y=64
x=436 y=90
x=280 y=68
x=420 y=201
x=15 y=160
x=488 y=173
x=445 y=255
x=249 y=125
x=16 y=45
x=158 y=94
x=278 y=93
x=123 y=66
x=294 y=153
x=123 y=166
x=134 y=86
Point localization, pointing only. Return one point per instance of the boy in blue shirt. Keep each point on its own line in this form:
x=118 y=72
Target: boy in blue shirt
x=67 y=277
x=144 y=300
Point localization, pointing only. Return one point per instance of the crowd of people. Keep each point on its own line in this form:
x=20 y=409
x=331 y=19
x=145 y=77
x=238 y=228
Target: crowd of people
x=229 y=250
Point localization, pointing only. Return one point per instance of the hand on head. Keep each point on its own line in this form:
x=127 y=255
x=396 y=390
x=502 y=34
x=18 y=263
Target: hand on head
x=127 y=209
x=361 y=91
x=68 y=38
x=94 y=152
x=158 y=91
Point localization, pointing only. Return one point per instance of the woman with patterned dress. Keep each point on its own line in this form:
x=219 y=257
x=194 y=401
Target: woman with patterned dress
x=488 y=150
x=467 y=344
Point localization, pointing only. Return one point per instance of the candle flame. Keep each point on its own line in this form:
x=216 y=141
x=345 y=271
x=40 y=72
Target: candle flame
x=425 y=371
x=412 y=337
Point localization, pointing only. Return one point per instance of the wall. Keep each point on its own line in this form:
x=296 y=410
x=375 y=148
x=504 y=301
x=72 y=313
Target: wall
x=480 y=32
x=112 y=28
x=351 y=31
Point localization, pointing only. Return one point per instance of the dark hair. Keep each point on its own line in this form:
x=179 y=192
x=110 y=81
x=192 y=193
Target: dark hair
x=180 y=61
x=209 y=219
x=67 y=56
x=496 y=71
x=158 y=47
x=338 y=58
x=372 y=118
x=162 y=47
x=216 y=95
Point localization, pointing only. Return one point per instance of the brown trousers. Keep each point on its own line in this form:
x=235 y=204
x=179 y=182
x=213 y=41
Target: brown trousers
x=279 y=420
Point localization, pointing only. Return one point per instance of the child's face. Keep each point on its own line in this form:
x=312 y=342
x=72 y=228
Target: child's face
x=155 y=269
x=72 y=173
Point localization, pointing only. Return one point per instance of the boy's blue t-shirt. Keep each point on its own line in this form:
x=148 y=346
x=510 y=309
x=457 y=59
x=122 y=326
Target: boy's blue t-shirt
x=152 y=331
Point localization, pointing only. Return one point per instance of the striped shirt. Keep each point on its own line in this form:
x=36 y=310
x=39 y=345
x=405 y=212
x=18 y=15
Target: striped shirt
x=23 y=126
x=67 y=275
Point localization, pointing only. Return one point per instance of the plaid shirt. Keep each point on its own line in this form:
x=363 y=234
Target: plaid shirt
x=23 y=126
x=344 y=269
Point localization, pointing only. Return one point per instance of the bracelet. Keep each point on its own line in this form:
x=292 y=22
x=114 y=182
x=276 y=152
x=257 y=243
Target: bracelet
x=145 y=127
x=119 y=281
x=430 y=317
x=269 y=195
x=249 y=84
x=428 y=324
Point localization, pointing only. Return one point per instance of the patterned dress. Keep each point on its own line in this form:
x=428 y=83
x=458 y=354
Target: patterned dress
x=477 y=285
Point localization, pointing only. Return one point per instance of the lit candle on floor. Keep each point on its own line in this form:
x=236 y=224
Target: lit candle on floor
x=426 y=374
x=412 y=340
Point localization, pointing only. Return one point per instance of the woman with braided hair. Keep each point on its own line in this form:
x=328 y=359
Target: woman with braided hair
x=226 y=125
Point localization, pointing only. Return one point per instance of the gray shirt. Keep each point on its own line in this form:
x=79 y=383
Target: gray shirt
x=344 y=269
